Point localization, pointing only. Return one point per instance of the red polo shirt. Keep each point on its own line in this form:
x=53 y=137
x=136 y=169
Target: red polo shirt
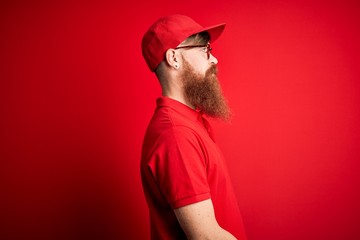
x=181 y=165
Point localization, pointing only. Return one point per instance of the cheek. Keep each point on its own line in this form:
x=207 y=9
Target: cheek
x=200 y=66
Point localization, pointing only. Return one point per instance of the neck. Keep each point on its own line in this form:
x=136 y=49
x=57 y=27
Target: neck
x=172 y=87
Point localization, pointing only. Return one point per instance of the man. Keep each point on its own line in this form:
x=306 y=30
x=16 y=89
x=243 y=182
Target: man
x=185 y=180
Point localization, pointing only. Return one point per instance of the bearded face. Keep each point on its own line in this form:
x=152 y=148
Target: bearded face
x=204 y=92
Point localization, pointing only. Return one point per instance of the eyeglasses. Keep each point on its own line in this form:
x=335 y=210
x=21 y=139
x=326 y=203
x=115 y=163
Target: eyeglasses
x=207 y=48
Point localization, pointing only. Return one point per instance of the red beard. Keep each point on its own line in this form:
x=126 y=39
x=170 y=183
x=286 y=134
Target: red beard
x=204 y=92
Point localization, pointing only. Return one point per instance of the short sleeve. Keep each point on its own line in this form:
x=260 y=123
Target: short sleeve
x=178 y=165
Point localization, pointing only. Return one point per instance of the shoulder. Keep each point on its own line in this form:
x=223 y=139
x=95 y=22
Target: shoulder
x=179 y=135
x=168 y=122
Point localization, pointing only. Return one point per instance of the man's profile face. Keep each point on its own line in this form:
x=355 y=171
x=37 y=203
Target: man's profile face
x=203 y=90
x=200 y=58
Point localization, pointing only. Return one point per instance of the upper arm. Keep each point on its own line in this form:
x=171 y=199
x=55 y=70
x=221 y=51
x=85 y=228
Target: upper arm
x=179 y=168
x=198 y=221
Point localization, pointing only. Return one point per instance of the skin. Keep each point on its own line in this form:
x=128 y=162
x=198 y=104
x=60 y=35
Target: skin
x=199 y=223
x=197 y=220
x=171 y=69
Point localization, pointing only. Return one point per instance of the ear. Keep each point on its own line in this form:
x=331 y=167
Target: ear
x=171 y=58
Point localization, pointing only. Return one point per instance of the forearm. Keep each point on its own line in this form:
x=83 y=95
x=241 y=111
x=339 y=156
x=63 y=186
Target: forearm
x=199 y=223
x=223 y=235
x=217 y=234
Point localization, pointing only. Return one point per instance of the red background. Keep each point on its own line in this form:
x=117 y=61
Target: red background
x=76 y=97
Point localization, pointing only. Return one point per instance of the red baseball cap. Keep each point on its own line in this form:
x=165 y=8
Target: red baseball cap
x=168 y=32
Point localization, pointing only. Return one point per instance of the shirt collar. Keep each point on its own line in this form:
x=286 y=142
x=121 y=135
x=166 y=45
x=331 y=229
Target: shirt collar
x=192 y=114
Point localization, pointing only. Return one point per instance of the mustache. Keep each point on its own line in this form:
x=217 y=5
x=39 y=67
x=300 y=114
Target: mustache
x=212 y=70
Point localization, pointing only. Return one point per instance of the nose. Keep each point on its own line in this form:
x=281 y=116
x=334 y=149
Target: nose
x=213 y=59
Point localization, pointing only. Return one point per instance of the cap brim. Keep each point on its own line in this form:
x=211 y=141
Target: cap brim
x=215 y=31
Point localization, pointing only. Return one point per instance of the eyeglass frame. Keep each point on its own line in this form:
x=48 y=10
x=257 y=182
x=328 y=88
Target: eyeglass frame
x=208 y=48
